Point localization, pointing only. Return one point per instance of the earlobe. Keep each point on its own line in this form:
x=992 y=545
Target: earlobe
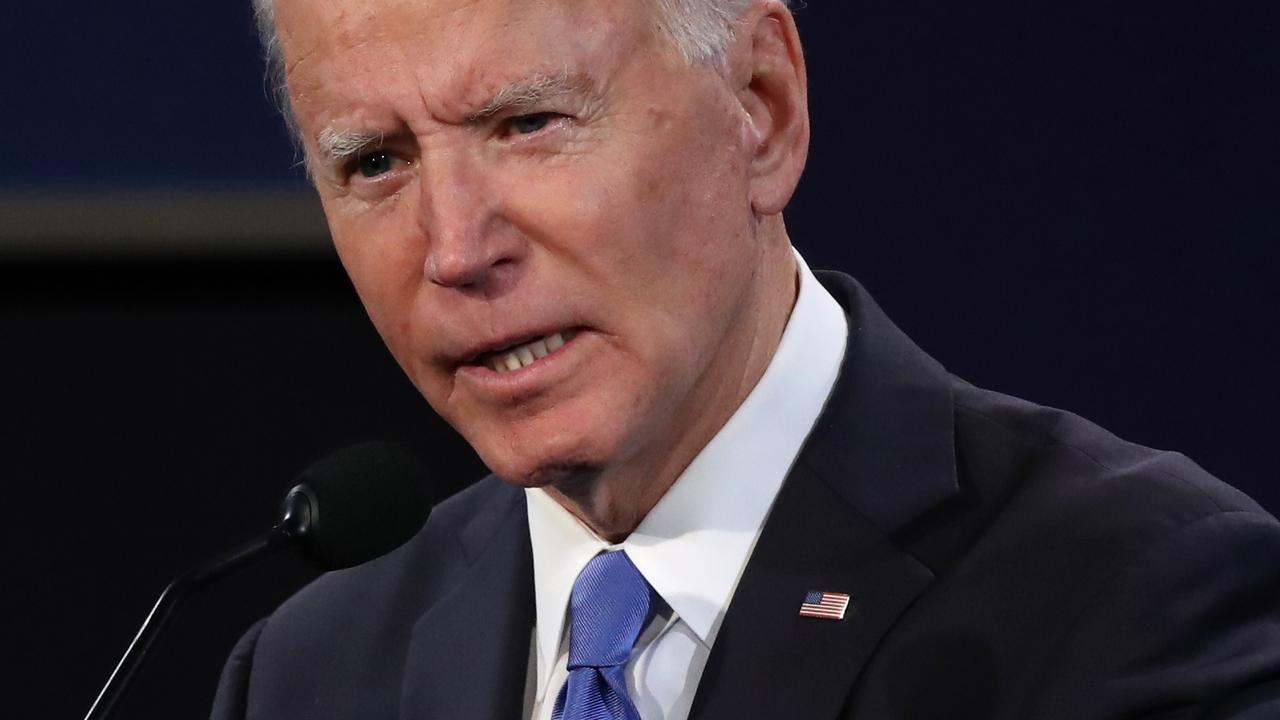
x=772 y=88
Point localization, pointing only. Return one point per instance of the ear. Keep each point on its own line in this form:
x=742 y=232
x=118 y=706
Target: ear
x=766 y=65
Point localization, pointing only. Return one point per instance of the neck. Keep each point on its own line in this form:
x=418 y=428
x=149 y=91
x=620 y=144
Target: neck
x=614 y=501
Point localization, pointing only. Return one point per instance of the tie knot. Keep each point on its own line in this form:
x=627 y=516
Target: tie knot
x=607 y=610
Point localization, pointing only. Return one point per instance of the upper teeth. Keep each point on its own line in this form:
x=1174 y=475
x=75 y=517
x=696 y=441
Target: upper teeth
x=524 y=355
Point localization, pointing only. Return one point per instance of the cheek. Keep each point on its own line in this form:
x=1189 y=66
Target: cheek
x=384 y=273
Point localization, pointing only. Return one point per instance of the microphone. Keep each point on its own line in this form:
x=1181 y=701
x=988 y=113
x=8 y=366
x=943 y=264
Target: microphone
x=352 y=506
x=374 y=497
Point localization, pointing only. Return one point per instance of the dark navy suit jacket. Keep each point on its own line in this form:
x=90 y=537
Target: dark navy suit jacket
x=1005 y=560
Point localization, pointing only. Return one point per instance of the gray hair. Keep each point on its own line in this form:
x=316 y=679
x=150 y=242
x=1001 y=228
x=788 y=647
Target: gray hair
x=699 y=29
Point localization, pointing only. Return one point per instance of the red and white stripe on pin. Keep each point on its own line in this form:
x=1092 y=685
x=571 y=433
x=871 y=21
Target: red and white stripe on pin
x=824 y=605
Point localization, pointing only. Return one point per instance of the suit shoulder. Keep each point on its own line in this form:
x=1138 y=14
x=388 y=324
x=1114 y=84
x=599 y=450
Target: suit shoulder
x=1048 y=491
x=426 y=560
x=1075 y=556
x=1081 y=465
x=411 y=576
x=455 y=512
x=356 y=658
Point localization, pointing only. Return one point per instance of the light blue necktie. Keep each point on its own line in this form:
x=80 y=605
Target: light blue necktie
x=607 y=610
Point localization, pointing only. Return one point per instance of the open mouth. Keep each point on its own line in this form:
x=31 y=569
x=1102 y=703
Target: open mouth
x=524 y=354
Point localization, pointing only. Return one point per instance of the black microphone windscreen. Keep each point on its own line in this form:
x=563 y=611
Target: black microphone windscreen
x=366 y=500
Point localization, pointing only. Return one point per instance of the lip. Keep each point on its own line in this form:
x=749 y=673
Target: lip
x=545 y=370
x=471 y=355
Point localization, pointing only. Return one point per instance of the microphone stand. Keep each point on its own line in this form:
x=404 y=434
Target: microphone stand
x=295 y=522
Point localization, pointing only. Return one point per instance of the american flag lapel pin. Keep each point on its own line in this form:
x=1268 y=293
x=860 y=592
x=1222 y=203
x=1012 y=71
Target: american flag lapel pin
x=824 y=605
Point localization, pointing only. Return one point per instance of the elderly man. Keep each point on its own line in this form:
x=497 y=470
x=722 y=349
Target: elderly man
x=724 y=486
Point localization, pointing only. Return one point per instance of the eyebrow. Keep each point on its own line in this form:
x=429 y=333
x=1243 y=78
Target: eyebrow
x=529 y=92
x=337 y=146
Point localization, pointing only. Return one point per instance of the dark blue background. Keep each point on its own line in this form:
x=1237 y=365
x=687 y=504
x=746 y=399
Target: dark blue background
x=137 y=94
x=1071 y=202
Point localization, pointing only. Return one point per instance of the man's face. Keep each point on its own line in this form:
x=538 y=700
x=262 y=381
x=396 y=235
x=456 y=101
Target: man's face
x=544 y=175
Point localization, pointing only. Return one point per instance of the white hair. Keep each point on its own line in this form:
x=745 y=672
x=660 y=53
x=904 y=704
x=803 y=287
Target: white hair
x=700 y=30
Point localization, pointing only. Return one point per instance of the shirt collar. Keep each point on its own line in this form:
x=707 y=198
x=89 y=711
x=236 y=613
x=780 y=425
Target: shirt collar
x=693 y=546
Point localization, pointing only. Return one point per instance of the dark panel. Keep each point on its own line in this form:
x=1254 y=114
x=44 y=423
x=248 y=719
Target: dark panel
x=1072 y=202
x=153 y=415
x=138 y=93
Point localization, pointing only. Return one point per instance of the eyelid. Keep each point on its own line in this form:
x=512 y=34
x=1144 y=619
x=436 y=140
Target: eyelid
x=364 y=142
x=352 y=164
x=377 y=185
x=344 y=167
x=553 y=116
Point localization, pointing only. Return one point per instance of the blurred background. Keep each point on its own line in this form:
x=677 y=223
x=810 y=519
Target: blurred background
x=1072 y=202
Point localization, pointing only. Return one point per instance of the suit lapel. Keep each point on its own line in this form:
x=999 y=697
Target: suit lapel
x=880 y=456
x=469 y=654
x=768 y=661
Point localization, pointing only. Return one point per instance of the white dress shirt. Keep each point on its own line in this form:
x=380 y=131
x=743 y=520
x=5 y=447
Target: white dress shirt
x=694 y=545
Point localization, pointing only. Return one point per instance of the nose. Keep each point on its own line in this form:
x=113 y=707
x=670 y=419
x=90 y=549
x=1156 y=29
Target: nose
x=467 y=242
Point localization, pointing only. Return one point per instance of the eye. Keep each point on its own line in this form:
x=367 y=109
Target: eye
x=532 y=123
x=374 y=164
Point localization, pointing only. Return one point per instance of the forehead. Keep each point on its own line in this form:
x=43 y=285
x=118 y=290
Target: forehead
x=448 y=50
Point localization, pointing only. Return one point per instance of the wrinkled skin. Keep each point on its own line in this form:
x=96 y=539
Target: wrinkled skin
x=636 y=205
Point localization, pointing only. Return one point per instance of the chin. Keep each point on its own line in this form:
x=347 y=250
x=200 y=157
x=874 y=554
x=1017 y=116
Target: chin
x=558 y=473
x=558 y=467
x=550 y=449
